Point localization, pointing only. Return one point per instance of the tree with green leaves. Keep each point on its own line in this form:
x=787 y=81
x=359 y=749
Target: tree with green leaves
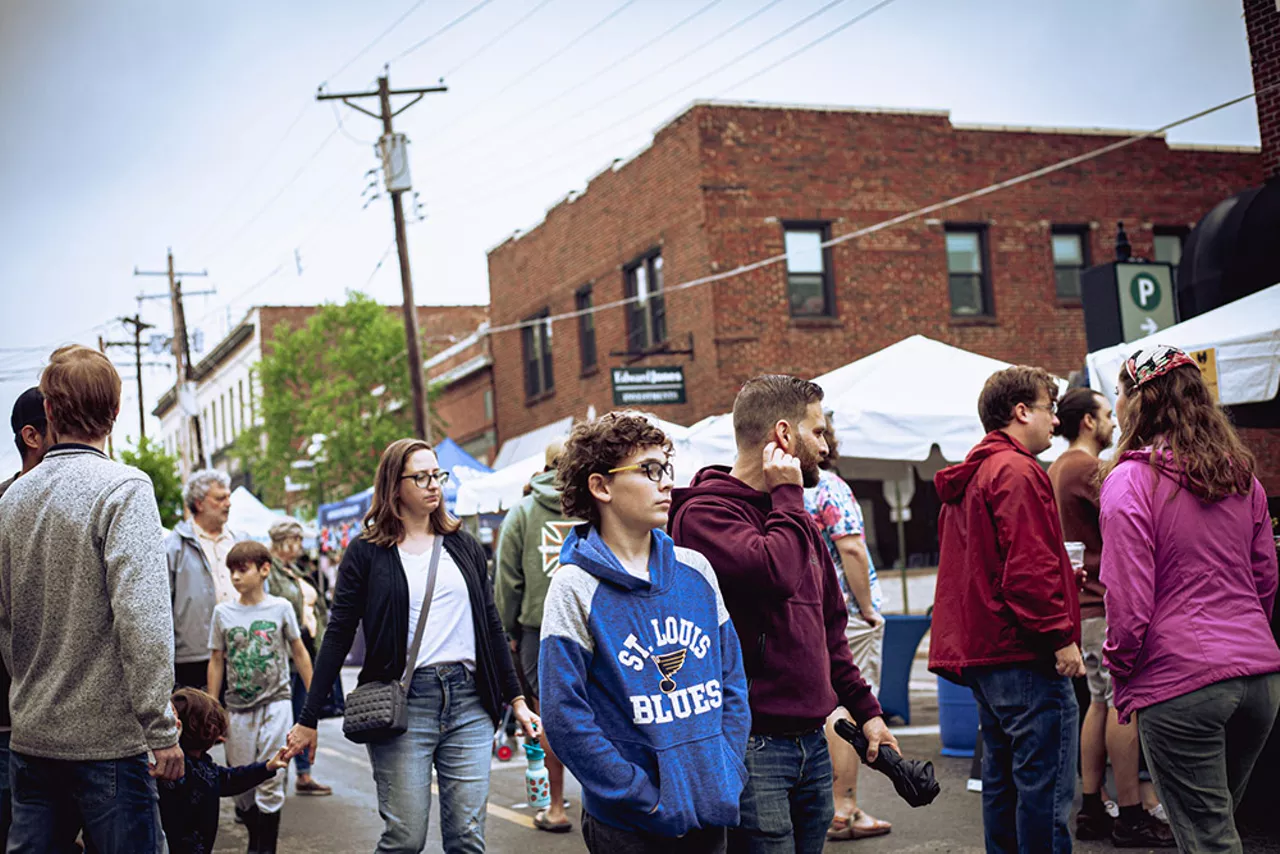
x=151 y=458
x=344 y=377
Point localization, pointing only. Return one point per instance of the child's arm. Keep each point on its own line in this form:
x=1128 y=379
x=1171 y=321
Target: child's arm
x=235 y=781
x=217 y=665
x=301 y=660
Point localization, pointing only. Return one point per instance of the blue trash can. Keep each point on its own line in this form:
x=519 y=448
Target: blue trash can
x=957 y=718
x=902 y=635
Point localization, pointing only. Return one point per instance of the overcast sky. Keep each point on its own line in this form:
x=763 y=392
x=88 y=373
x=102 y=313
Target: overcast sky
x=131 y=126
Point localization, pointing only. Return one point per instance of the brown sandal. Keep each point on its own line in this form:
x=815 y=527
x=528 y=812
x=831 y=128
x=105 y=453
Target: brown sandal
x=845 y=827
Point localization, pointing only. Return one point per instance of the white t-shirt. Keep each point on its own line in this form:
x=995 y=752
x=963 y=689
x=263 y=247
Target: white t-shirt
x=450 y=633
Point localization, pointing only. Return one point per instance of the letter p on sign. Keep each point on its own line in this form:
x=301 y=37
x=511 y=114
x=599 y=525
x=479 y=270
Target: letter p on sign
x=1145 y=291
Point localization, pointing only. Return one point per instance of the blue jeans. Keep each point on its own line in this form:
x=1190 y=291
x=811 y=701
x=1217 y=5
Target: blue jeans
x=115 y=800
x=1030 y=739
x=299 y=697
x=786 y=805
x=450 y=729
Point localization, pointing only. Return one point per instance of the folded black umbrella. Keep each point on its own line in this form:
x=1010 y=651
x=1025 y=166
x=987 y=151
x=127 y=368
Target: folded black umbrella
x=913 y=779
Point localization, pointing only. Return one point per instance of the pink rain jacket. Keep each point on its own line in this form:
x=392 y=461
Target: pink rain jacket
x=1190 y=585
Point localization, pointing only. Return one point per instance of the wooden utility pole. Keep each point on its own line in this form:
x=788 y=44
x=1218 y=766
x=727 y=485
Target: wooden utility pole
x=392 y=145
x=181 y=355
x=136 y=323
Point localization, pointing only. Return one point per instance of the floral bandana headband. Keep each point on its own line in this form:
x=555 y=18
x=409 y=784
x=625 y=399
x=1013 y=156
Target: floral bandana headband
x=1155 y=361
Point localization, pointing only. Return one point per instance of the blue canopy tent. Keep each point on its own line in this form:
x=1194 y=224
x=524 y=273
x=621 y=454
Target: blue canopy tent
x=460 y=466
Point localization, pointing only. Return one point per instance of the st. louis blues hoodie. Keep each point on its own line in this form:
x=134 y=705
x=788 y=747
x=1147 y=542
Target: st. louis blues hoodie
x=643 y=693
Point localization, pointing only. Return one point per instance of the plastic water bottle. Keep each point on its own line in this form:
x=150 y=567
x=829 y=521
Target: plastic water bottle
x=537 y=785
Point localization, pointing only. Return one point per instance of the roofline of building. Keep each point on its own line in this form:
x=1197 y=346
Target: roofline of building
x=454 y=349
x=456 y=374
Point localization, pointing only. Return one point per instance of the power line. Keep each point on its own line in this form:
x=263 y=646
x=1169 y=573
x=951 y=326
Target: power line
x=819 y=40
x=378 y=266
x=397 y=22
x=591 y=78
x=898 y=220
x=499 y=37
x=596 y=134
x=444 y=29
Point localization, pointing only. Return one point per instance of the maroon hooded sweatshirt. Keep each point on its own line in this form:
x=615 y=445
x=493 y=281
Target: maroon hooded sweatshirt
x=1006 y=592
x=781 y=590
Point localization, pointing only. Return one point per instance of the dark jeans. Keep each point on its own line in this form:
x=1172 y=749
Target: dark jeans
x=786 y=805
x=299 y=698
x=1030 y=739
x=193 y=674
x=115 y=800
x=1201 y=748
x=603 y=838
x=6 y=791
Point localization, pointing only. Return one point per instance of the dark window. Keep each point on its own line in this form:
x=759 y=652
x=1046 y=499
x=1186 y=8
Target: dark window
x=586 y=328
x=488 y=404
x=1070 y=257
x=647 y=316
x=1168 y=245
x=809 y=284
x=968 y=281
x=538 y=376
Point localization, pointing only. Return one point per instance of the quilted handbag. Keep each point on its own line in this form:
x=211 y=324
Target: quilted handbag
x=379 y=711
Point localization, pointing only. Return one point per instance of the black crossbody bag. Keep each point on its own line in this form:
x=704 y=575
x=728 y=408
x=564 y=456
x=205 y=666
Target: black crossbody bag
x=379 y=711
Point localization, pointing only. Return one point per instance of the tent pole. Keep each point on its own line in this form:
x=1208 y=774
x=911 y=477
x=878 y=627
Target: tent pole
x=902 y=543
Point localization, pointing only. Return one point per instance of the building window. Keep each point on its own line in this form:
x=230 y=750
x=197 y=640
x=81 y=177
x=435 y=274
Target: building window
x=226 y=419
x=488 y=404
x=586 y=328
x=1070 y=257
x=967 y=277
x=538 y=376
x=647 y=316
x=1167 y=246
x=809 y=282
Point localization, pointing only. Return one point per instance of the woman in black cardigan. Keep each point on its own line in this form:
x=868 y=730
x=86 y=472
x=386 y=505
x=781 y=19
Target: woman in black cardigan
x=463 y=673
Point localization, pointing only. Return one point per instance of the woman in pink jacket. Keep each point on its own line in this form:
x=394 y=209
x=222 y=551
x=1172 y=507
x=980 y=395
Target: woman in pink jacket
x=1189 y=563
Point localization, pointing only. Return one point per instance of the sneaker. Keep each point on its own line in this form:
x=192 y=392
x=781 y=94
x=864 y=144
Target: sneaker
x=1157 y=812
x=1146 y=832
x=1113 y=808
x=1093 y=826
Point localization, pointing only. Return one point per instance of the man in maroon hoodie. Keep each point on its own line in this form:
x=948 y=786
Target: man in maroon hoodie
x=782 y=593
x=1006 y=618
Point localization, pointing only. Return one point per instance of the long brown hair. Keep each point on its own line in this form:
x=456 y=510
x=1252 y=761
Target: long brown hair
x=383 y=524
x=1175 y=413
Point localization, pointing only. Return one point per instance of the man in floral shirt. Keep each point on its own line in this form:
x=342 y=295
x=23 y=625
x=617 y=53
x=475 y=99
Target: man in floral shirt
x=833 y=507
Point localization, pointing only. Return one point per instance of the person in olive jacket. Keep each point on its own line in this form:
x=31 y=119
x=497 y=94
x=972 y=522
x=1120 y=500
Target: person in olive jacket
x=461 y=678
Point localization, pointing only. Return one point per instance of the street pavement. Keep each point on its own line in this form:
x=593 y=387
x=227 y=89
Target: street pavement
x=348 y=820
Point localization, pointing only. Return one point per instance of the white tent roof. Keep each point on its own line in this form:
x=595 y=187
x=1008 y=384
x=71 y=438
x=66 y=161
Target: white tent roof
x=250 y=516
x=526 y=445
x=894 y=404
x=1245 y=334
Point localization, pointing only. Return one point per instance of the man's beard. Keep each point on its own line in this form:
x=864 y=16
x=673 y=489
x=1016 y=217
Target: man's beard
x=810 y=475
x=1106 y=441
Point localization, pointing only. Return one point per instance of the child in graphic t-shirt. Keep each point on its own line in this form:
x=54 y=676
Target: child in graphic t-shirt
x=251 y=641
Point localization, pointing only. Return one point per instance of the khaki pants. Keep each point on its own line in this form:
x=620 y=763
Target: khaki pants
x=255 y=736
x=866 y=643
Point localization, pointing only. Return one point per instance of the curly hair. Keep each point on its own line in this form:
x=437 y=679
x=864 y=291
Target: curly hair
x=1175 y=413
x=596 y=446
x=1005 y=389
x=204 y=721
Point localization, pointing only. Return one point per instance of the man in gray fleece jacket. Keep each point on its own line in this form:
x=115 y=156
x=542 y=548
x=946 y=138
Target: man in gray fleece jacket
x=86 y=629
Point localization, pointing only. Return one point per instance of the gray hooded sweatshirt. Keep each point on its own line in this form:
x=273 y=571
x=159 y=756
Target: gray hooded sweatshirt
x=85 y=624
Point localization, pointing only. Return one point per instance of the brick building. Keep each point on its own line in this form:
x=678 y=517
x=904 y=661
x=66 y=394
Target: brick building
x=227 y=388
x=726 y=184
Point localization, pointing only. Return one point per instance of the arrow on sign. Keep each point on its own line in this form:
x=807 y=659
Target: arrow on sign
x=1149 y=326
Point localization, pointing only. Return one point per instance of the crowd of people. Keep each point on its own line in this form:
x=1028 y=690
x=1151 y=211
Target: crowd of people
x=685 y=653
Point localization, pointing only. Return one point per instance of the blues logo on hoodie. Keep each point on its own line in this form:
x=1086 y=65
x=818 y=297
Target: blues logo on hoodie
x=643 y=692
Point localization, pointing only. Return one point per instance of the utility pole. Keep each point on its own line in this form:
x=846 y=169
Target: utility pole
x=136 y=344
x=395 y=162
x=181 y=355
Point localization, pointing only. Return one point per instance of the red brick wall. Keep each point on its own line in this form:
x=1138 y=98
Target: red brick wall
x=1265 y=444
x=1262 y=19
x=718 y=181
x=461 y=408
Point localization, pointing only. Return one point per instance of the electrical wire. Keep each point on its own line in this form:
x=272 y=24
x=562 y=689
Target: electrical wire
x=443 y=30
x=499 y=37
x=398 y=21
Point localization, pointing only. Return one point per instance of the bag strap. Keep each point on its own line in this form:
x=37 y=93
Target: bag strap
x=412 y=658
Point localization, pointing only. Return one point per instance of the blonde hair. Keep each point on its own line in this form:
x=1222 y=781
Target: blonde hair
x=383 y=524
x=81 y=391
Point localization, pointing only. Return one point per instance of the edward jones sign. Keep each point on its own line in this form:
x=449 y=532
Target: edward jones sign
x=648 y=386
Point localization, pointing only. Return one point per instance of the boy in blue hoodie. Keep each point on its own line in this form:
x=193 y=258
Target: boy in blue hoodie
x=643 y=690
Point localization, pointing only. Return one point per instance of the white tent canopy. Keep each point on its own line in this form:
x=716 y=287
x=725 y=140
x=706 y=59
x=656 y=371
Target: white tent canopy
x=250 y=516
x=520 y=448
x=894 y=404
x=1245 y=335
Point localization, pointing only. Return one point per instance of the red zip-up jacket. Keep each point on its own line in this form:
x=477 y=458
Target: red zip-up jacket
x=1006 y=592
x=782 y=593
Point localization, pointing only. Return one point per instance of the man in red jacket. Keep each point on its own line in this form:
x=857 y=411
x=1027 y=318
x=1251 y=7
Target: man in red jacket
x=1006 y=619
x=781 y=590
